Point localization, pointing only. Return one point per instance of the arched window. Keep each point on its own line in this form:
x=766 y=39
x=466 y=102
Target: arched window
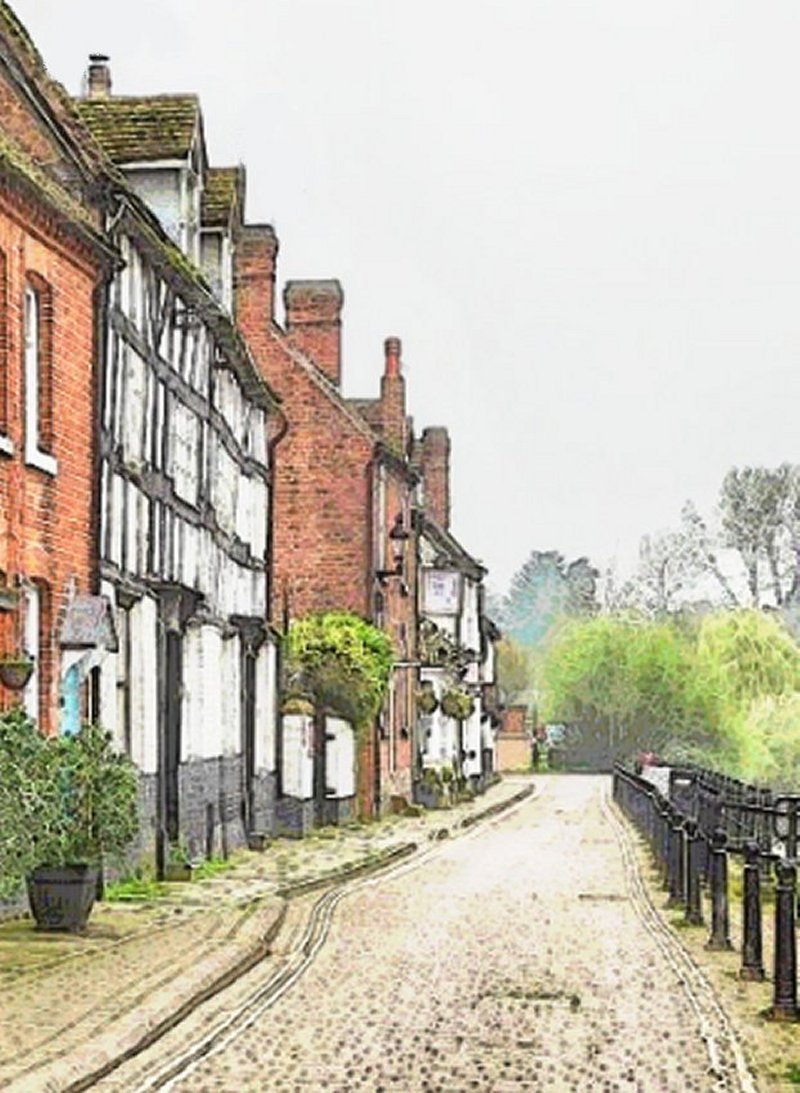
x=38 y=375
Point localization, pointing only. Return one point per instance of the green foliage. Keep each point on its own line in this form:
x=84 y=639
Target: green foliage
x=748 y=654
x=626 y=685
x=135 y=890
x=63 y=800
x=545 y=589
x=457 y=703
x=427 y=702
x=723 y=692
x=514 y=671
x=340 y=662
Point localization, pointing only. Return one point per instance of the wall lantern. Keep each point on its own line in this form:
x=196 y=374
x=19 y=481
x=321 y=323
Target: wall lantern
x=398 y=536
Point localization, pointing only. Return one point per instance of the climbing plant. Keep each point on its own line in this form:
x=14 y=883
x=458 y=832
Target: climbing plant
x=340 y=662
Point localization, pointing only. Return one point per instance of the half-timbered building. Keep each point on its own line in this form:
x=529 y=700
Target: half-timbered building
x=185 y=443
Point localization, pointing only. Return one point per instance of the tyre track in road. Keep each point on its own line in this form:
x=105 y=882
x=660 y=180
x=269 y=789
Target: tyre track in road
x=305 y=950
x=727 y=1061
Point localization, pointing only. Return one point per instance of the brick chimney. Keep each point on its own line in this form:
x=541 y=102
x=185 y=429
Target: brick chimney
x=393 y=397
x=314 y=324
x=436 y=474
x=98 y=77
x=255 y=258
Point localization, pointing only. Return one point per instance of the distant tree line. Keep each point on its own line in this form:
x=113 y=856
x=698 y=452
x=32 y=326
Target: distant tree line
x=694 y=655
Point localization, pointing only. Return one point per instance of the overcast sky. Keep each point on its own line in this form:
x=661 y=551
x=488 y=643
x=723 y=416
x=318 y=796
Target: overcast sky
x=581 y=218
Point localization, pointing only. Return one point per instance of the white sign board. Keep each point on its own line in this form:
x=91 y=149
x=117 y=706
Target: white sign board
x=442 y=592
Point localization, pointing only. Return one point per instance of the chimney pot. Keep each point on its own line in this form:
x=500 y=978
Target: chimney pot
x=98 y=80
x=392 y=348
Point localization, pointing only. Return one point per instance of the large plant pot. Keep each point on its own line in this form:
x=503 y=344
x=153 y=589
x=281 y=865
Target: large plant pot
x=61 y=898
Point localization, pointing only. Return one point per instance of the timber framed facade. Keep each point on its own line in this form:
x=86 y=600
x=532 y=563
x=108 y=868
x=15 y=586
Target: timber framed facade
x=184 y=501
x=185 y=479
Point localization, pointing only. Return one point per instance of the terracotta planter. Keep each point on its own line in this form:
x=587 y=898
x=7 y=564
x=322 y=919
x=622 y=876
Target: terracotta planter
x=15 y=674
x=61 y=897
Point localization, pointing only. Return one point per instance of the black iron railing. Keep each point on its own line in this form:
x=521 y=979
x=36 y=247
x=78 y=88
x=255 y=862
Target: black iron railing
x=692 y=831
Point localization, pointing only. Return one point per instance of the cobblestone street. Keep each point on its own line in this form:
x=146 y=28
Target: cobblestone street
x=519 y=957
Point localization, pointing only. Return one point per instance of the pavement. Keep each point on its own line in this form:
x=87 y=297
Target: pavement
x=75 y=1006
x=526 y=955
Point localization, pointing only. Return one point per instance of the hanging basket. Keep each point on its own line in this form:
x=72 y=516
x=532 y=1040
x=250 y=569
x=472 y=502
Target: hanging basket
x=15 y=672
x=457 y=704
x=427 y=702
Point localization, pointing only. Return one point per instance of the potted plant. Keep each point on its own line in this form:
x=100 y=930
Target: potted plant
x=180 y=866
x=15 y=670
x=66 y=804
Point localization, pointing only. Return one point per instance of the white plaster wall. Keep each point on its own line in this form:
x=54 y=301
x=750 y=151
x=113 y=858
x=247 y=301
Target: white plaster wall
x=193 y=742
x=266 y=706
x=161 y=189
x=108 y=684
x=470 y=621
x=340 y=757
x=298 y=762
x=472 y=740
x=230 y=738
x=208 y=732
x=144 y=670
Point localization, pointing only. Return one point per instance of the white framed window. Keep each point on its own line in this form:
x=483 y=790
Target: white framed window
x=32 y=621
x=37 y=394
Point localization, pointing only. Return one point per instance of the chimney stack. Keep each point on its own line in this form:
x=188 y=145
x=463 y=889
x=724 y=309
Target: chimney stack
x=255 y=258
x=393 y=397
x=436 y=474
x=314 y=324
x=98 y=78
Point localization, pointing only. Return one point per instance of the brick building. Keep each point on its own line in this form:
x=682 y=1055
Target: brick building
x=53 y=263
x=344 y=491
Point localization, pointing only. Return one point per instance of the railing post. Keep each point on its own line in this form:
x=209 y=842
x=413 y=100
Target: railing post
x=752 y=956
x=665 y=835
x=718 y=881
x=677 y=886
x=694 y=903
x=784 y=999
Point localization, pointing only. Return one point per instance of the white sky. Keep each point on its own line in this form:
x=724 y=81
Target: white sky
x=583 y=220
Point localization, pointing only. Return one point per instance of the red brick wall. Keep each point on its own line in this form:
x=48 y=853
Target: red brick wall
x=322 y=487
x=399 y=621
x=46 y=521
x=513 y=720
x=436 y=474
x=313 y=323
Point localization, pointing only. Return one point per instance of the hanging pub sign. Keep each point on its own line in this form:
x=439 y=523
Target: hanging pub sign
x=442 y=592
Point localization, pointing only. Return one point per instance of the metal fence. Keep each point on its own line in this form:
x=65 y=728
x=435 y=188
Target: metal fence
x=692 y=831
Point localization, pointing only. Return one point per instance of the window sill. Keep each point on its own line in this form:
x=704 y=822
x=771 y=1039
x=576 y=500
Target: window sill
x=6 y=445
x=42 y=461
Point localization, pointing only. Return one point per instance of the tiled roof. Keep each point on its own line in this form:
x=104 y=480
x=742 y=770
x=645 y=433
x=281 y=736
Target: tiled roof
x=221 y=193
x=370 y=410
x=137 y=130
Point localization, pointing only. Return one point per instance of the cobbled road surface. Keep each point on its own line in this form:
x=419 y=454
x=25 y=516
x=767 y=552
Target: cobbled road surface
x=517 y=957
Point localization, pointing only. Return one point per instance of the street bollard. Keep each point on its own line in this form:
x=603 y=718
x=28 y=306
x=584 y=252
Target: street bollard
x=784 y=997
x=752 y=957
x=718 y=883
x=694 y=903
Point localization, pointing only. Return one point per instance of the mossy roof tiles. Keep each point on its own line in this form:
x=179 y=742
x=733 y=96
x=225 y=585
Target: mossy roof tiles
x=142 y=129
x=220 y=195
